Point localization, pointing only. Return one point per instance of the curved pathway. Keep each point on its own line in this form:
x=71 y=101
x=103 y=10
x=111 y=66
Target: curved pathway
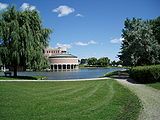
x=149 y=97
x=103 y=78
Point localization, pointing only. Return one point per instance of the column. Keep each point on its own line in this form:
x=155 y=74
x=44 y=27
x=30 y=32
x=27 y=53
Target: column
x=57 y=66
x=61 y=66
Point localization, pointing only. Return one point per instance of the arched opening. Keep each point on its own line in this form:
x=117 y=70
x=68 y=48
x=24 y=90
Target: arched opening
x=64 y=67
x=68 y=66
x=72 y=67
x=59 y=67
x=55 y=67
x=51 y=67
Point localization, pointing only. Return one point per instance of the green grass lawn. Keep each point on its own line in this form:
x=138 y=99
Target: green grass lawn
x=83 y=100
x=155 y=85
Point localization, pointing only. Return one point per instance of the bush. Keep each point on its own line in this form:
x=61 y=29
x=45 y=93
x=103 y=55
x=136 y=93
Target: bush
x=145 y=74
x=118 y=73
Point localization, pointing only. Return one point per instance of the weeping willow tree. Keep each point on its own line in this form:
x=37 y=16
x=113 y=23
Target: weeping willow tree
x=22 y=39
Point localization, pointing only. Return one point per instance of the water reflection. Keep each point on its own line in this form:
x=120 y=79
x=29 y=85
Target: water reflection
x=71 y=74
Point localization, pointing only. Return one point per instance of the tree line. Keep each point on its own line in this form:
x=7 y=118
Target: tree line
x=141 y=44
x=101 y=62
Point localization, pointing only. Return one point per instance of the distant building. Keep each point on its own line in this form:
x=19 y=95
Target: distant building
x=60 y=59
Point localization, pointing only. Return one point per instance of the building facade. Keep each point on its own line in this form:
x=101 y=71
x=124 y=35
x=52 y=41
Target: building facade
x=60 y=59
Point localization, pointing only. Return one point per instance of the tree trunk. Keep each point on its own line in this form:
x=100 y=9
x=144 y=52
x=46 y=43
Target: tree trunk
x=15 y=71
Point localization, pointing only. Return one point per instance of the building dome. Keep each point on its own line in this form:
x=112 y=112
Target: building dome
x=60 y=59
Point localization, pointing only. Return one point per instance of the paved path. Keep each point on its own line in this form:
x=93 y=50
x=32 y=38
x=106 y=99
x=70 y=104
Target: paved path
x=55 y=80
x=149 y=97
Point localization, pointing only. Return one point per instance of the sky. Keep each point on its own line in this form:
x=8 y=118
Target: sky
x=88 y=28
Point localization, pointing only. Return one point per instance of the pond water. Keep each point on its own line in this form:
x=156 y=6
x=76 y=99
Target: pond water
x=74 y=74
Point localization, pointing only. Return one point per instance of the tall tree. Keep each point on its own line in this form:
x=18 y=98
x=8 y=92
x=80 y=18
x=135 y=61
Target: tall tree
x=104 y=61
x=156 y=28
x=113 y=63
x=22 y=39
x=139 y=46
x=92 y=61
x=83 y=61
x=155 y=23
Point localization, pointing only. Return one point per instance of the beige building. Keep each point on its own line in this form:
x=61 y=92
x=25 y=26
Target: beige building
x=60 y=59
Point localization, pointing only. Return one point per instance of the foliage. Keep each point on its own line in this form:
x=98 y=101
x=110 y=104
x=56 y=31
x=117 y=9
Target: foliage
x=156 y=28
x=146 y=74
x=101 y=62
x=83 y=61
x=92 y=61
x=140 y=46
x=114 y=63
x=80 y=100
x=104 y=61
x=22 y=39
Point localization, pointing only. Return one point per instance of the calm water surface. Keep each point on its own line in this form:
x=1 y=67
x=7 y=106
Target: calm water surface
x=76 y=74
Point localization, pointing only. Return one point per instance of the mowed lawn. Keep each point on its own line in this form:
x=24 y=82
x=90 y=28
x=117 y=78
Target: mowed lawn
x=155 y=85
x=84 y=100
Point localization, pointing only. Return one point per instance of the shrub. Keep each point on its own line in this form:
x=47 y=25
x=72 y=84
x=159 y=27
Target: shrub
x=145 y=74
x=119 y=72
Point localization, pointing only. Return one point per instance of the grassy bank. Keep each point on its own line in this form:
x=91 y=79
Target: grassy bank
x=85 y=100
x=117 y=73
x=22 y=78
x=155 y=85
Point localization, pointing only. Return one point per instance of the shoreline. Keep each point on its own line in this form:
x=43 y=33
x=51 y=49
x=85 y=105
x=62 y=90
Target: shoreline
x=55 y=80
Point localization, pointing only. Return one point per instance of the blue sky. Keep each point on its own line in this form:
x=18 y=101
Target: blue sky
x=89 y=28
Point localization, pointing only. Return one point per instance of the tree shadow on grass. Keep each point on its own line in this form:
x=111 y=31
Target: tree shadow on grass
x=124 y=77
x=22 y=77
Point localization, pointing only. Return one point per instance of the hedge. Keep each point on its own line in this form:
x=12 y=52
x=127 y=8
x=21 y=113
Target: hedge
x=145 y=74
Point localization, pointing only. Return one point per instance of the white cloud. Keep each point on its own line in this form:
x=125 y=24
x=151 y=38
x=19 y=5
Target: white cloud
x=63 y=10
x=3 y=6
x=85 y=43
x=117 y=40
x=79 y=15
x=81 y=43
x=92 y=42
x=67 y=46
x=26 y=6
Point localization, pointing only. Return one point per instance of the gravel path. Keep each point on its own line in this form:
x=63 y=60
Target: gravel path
x=149 y=97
